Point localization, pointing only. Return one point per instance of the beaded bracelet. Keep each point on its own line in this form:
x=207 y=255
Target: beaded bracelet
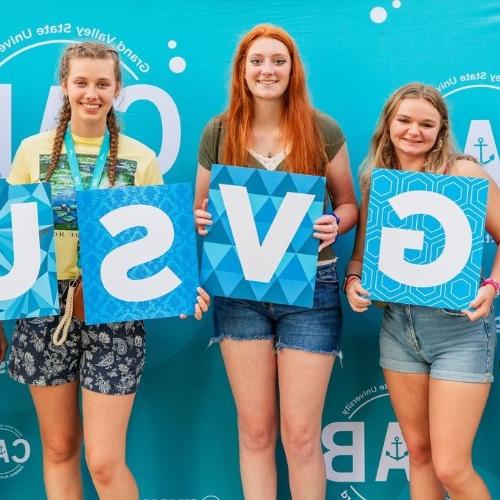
x=495 y=284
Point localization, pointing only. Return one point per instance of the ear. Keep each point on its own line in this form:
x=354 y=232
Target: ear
x=64 y=87
x=118 y=90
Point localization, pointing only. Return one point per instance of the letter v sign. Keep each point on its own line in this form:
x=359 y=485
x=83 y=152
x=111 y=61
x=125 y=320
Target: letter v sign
x=259 y=262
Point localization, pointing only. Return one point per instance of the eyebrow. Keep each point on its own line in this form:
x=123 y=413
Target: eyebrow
x=428 y=120
x=272 y=55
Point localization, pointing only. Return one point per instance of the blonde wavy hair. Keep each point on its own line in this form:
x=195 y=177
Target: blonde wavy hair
x=90 y=50
x=439 y=159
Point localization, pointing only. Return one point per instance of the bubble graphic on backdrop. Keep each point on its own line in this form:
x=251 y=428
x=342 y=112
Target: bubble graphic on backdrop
x=379 y=14
x=177 y=64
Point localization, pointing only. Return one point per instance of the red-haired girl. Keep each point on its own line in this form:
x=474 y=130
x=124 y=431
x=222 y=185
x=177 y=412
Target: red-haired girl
x=273 y=349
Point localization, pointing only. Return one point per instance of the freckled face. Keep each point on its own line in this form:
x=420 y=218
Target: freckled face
x=267 y=68
x=91 y=87
x=414 y=129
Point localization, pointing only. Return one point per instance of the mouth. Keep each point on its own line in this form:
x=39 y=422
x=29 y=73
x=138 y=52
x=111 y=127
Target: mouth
x=267 y=83
x=90 y=106
x=410 y=141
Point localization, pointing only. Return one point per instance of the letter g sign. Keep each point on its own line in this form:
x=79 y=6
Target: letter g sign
x=394 y=242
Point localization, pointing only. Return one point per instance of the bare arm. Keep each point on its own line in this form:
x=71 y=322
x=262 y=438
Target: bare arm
x=486 y=294
x=202 y=218
x=340 y=184
x=356 y=294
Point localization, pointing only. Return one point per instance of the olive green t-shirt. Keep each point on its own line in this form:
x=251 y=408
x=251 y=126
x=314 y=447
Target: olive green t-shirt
x=212 y=139
x=210 y=151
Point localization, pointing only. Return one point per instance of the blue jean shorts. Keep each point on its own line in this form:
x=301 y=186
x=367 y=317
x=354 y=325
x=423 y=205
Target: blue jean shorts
x=106 y=358
x=440 y=342
x=316 y=329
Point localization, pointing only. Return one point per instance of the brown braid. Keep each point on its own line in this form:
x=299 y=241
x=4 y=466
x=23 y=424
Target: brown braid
x=64 y=117
x=90 y=50
x=114 y=130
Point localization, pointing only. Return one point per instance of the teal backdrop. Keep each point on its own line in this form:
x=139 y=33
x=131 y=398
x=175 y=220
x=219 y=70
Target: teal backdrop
x=183 y=442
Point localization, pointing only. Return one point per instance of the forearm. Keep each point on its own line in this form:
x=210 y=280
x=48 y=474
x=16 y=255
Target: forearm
x=348 y=216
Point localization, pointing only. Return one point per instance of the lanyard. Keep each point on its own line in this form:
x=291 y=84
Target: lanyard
x=75 y=167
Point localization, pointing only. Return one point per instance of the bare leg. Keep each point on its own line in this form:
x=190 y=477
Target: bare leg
x=409 y=394
x=251 y=368
x=105 y=421
x=303 y=381
x=61 y=433
x=455 y=412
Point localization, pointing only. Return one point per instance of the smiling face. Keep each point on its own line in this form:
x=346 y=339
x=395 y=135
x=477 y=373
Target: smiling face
x=91 y=87
x=267 y=68
x=414 y=129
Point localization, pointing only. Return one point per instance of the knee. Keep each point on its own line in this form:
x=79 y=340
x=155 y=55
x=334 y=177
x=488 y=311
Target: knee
x=452 y=472
x=102 y=466
x=420 y=452
x=58 y=449
x=301 y=442
x=256 y=434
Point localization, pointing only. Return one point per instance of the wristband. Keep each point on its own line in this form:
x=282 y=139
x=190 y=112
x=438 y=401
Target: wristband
x=348 y=278
x=495 y=284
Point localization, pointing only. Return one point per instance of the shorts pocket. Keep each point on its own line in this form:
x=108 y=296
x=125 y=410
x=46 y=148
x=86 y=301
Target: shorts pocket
x=452 y=312
x=327 y=274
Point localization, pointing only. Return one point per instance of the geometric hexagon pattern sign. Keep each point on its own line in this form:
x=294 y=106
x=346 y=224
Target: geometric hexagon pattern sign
x=424 y=238
x=260 y=244
x=28 y=281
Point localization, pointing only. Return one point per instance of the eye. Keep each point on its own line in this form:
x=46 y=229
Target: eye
x=403 y=120
x=103 y=84
x=427 y=125
x=255 y=61
x=280 y=61
x=80 y=83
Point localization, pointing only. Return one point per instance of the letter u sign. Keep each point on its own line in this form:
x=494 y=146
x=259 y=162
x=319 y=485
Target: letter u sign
x=424 y=238
x=28 y=284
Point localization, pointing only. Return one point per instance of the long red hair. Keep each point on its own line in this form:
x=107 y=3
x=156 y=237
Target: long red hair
x=298 y=126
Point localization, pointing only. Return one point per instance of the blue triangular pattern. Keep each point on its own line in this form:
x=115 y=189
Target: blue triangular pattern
x=215 y=252
x=294 y=271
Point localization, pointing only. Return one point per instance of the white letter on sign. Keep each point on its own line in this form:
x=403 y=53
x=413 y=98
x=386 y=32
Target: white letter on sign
x=394 y=242
x=26 y=250
x=116 y=265
x=259 y=262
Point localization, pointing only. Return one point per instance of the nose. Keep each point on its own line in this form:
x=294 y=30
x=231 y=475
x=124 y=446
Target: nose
x=413 y=129
x=267 y=66
x=90 y=92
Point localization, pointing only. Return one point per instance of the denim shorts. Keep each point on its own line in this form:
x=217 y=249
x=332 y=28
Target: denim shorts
x=441 y=342
x=316 y=329
x=106 y=358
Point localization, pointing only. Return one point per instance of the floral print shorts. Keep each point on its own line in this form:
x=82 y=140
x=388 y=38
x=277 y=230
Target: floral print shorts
x=106 y=358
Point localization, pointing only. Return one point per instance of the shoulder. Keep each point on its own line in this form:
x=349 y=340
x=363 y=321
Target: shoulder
x=129 y=146
x=213 y=128
x=327 y=125
x=468 y=168
x=39 y=141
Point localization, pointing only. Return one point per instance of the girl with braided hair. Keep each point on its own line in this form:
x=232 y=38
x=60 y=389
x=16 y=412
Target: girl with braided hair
x=106 y=360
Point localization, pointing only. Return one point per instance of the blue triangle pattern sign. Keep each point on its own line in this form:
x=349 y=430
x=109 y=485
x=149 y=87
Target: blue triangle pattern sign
x=28 y=281
x=260 y=246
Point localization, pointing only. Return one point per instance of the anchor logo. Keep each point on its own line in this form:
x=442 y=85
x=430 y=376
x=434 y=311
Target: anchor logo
x=397 y=443
x=480 y=144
